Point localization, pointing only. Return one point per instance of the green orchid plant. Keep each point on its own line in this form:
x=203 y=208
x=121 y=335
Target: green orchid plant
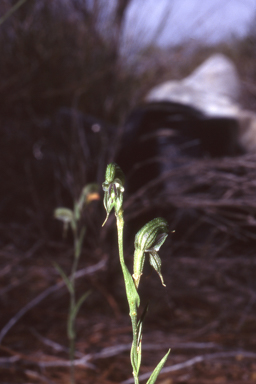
x=147 y=241
x=72 y=219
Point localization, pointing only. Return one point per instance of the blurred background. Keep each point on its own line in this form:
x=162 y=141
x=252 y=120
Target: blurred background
x=71 y=71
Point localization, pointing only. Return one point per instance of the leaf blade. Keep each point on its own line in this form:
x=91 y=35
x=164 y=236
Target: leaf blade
x=79 y=303
x=64 y=277
x=157 y=370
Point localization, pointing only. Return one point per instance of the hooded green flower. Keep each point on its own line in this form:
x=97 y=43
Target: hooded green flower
x=113 y=188
x=149 y=240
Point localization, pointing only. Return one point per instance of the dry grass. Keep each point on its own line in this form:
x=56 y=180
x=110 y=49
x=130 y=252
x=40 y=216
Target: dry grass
x=75 y=62
x=208 y=262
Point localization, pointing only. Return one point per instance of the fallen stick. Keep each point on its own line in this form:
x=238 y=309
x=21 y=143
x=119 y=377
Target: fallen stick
x=44 y=294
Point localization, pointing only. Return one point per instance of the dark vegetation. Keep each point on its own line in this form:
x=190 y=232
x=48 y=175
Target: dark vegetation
x=61 y=73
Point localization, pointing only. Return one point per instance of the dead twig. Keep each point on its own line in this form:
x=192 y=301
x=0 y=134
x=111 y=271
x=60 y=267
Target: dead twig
x=117 y=349
x=83 y=272
x=35 y=375
x=9 y=360
x=55 y=346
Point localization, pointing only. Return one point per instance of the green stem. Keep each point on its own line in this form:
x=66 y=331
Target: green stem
x=71 y=320
x=131 y=292
x=71 y=355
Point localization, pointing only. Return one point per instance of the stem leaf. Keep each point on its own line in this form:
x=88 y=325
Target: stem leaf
x=140 y=322
x=72 y=315
x=157 y=370
x=79 y=303
x=139 y=356
x=131 y=291
x=134 y=358
x=65 y=278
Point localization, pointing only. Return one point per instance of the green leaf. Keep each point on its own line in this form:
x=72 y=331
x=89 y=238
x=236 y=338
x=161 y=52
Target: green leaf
x=157 y=370
x=73 y=313
x=64 y=277
x=136 y=348
x=134 y=358
x=139 y=338
x=79 y=303
x=140 y=322
x=139 y=357
x=131 y=291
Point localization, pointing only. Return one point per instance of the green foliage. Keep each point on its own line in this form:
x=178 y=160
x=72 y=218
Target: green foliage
x=148 y=240
x=65 y=278
x=157 y=370
x=73 y=219
x=72 y=316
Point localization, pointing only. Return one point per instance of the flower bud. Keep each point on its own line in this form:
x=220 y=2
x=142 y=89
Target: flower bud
x=149 y=240
x=66 y=216
x=88 y=194
x=113 y=188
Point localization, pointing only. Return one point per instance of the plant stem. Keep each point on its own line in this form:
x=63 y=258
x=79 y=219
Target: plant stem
x=71 y=357
x=148 y=240
x=132 y=305
x=71 y=320
x=129 y=287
